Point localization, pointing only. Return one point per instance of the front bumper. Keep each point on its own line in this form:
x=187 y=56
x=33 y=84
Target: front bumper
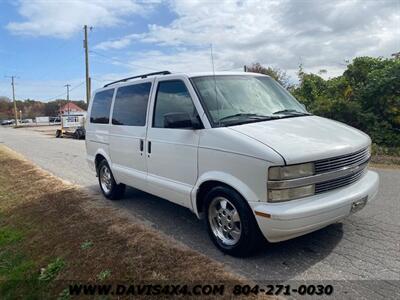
x=286 y=220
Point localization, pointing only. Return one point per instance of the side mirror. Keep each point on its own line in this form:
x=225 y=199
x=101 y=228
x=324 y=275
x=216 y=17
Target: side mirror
x=181 y=120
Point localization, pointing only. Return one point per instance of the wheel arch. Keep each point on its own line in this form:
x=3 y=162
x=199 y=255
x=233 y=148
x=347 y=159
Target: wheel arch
x=99 y=156
x=207 y=182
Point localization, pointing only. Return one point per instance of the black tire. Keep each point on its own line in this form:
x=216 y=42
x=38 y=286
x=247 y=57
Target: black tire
x=250 y=236
x=58 y=133
x=77 y=134
x=116 y=191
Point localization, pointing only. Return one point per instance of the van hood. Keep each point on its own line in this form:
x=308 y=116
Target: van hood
x=306 y=138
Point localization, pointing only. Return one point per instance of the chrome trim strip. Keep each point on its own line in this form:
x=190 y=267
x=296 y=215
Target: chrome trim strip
x=345 y=156
x=336 y=174
x=329 y=164
x=338 y=183
x=340 y=161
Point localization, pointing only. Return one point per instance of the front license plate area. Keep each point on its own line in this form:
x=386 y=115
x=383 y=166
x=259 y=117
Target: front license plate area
x=358 y=205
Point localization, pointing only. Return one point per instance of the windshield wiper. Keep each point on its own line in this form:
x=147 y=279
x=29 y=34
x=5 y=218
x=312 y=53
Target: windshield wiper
x=291 y=112
x=248 y=118
x=246 y=115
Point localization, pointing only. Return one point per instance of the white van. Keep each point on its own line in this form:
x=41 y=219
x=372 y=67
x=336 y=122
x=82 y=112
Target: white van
x=235 y=148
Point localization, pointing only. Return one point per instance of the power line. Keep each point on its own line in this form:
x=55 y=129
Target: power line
x=75 y=87
x=62 y=94
x=55 y=97
x=105 y=79
x=122 y=62
x=99 y=80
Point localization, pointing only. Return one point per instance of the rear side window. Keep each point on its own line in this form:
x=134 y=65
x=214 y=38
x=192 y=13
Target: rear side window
x=130 y=105
x=172 y=97
x=101 y=107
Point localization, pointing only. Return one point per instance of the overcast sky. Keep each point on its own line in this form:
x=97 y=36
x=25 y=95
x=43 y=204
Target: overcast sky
x=41 y=41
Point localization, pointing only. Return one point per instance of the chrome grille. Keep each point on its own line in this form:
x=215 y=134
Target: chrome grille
x=331 y=164
x=338 y=182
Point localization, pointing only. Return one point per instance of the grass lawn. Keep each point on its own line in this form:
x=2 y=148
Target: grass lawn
x=52 y=233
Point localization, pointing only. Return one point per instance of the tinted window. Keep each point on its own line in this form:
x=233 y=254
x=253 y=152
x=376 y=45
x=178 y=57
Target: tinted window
x=130 y=105
x=172 y=97
x=101 y=107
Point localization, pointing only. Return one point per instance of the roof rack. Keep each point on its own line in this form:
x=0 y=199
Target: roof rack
x=139 y=76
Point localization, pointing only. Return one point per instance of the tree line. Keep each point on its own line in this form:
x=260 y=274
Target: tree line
x=33 y=108
x=365 y=96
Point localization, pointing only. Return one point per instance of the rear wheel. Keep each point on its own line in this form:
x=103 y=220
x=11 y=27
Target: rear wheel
x=111 y=190
x=230 y=222
x=58 y=133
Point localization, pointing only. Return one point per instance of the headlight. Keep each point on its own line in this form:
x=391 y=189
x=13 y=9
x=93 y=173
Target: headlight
x=290 y=194
x=287 y=173
x=291 y=172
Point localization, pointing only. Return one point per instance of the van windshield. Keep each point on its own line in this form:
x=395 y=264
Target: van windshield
x=239 y=99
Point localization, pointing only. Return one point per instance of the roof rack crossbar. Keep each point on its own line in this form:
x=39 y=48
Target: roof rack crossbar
x=138 y=76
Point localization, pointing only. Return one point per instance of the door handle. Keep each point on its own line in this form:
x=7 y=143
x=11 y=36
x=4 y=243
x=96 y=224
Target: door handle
x=141 y=145
x=149 y=146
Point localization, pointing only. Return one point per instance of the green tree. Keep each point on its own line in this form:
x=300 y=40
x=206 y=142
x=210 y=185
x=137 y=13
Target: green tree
x=275 y=73
x=366 y=96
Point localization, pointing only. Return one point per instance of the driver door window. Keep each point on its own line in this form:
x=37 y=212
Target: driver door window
x=172 y=98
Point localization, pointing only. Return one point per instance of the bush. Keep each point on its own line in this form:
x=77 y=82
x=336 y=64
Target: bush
x=366 y=96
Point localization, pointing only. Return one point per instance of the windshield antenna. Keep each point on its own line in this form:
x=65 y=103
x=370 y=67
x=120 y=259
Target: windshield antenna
x=215 y=84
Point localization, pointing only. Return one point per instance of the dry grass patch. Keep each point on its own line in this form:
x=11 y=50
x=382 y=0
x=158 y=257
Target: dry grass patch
x=62 y=231
x=385 y=161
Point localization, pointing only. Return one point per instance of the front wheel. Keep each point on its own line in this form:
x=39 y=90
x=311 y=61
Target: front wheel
x=230 y=222
x=111 y=190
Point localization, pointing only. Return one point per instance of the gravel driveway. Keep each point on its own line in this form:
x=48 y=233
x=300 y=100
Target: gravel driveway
x=358 y=252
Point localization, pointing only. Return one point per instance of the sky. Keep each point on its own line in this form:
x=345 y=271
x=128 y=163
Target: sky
x=41 y=40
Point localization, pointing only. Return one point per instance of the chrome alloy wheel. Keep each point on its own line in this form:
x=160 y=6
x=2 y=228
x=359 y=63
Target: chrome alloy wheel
x=224 y=221
x=105 y=179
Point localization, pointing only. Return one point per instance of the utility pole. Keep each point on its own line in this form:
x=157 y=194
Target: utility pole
x=67 y=86
x=15 y=104
x=85 y=45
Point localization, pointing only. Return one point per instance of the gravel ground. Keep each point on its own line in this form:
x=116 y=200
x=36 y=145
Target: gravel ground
x=360 y=254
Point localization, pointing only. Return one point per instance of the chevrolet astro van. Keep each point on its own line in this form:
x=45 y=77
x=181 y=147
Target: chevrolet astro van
x=235 y=148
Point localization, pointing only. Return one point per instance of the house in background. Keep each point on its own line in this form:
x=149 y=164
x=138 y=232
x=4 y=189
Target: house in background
x=71 y=109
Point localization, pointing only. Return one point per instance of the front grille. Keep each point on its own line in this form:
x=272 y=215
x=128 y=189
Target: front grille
x=338 y=182
x=331 y=164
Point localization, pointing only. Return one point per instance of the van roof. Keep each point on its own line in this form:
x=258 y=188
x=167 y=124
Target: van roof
x=166 y=74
